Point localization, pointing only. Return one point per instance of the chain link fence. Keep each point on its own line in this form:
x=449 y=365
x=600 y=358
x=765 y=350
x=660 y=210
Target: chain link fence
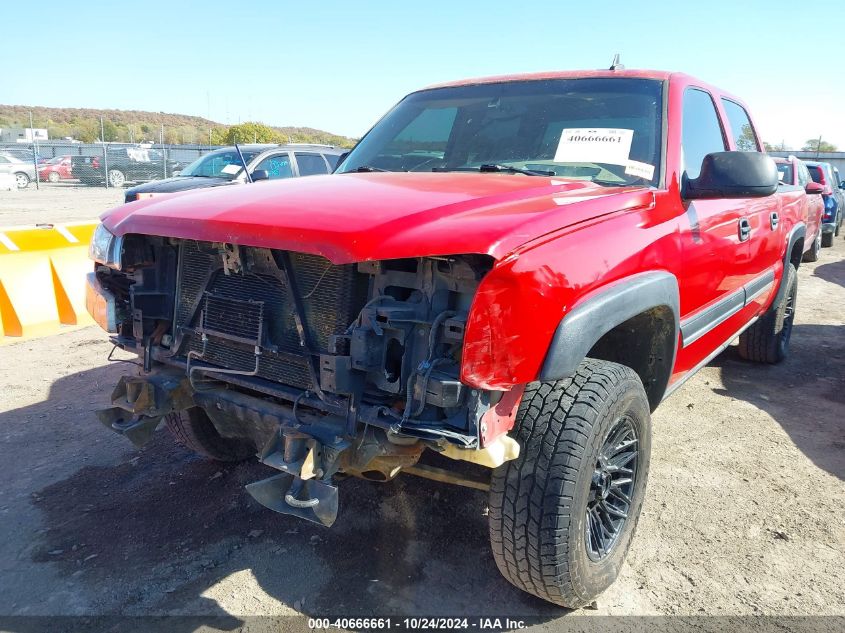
x=68 y=163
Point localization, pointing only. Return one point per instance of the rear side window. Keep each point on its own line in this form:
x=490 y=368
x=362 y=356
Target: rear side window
x=816 y=174
x=744 y=137
x=785 y=173
x=803 y=175
x=702 y=132
x=311 y=164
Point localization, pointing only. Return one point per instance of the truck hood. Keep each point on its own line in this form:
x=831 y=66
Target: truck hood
x=386 y=215
x=177 y=183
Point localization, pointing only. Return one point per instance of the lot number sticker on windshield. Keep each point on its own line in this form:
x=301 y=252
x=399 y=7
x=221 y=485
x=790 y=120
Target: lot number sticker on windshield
x=594 y=145
x=231 y=169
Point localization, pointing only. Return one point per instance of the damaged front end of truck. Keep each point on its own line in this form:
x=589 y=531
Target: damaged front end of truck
x=322 y=369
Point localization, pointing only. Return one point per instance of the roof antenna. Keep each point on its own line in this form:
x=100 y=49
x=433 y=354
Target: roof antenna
x=616 y=64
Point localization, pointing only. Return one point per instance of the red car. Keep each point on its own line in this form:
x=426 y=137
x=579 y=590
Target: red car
x=55 y=169
x=796 y=181
x=511 y=272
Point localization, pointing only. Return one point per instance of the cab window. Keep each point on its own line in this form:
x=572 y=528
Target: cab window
x=277 y=166
x=745 y=140
x=702 y=132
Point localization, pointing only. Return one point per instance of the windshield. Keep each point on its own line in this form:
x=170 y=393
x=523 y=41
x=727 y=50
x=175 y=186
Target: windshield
x=606 y=130
x=224 y=163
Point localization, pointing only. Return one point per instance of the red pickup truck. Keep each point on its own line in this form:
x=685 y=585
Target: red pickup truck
x=500 y=283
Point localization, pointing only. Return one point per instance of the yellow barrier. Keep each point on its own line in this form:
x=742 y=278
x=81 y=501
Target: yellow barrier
x=42 y=278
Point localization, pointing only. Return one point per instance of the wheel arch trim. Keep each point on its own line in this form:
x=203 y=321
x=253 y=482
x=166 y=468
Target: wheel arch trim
x=601 y=312
x=798 y=231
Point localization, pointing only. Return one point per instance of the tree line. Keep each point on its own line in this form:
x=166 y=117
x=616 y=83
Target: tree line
x=137 y=126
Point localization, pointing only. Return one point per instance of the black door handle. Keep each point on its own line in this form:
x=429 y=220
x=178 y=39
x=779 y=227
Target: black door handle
x=744 y=230
x=774 y=219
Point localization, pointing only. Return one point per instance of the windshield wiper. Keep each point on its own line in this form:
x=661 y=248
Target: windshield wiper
x=363 y=169
x=514 y=170
x=614 y=183
x=493 y=168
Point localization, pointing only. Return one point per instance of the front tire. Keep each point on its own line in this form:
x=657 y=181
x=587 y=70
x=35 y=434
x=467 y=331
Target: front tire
x=22 y=180
x=194 y=430
x=562 y=515
x=767 y=341
x=827 y=240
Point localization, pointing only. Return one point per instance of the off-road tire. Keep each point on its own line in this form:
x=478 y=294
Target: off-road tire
x=538 y=502
x=812 y=255
x=194 y=430
x=767 y=340
x=827 y=240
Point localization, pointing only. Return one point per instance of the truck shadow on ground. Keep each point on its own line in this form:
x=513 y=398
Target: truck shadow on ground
x=833 y=272
x=813 y=375
x=159 y=531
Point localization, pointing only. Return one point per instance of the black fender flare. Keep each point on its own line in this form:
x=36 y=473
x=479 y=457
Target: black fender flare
x=590 y=320
x=798 y=231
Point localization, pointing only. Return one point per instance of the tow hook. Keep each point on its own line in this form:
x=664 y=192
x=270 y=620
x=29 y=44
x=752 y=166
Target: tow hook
x=304 y=487
x=138 y=429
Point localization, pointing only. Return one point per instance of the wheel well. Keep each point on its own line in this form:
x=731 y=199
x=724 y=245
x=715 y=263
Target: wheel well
x=646 y=344
x=797 y=252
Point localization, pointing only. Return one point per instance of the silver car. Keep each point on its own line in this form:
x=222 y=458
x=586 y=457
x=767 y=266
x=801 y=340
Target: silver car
x=23 y=172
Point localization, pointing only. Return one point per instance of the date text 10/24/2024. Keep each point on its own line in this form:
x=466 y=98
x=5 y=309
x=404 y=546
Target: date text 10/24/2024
x=416 y=623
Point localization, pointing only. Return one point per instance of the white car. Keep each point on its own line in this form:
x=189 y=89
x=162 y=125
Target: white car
x=22 y=172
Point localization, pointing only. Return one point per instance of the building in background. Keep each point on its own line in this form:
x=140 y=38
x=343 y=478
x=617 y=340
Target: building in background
x=23 y=135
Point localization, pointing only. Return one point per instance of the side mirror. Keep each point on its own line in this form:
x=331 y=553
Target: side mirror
x=340 y=161
x=260 y=174
x=842 y=185
x=734 y=175
x=814 y=187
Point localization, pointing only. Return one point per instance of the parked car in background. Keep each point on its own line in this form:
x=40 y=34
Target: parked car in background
x=804 y=197
x=23 y=171
x=55 y=169
x=833 y=196
x=264 y=162
x=124 y=164
x=25 y=154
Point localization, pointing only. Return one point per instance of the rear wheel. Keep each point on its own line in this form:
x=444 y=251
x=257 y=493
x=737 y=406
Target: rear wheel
x=193 y=429
x=22 y=180
x=116 y=178
x=767 y=341
x=813 y=254
x=562 y=515
x=53 y=176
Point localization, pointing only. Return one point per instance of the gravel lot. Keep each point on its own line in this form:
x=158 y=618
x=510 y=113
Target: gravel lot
x=743 y=516
x=54 y=203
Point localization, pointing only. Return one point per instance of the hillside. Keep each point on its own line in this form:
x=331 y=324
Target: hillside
x=137 y=125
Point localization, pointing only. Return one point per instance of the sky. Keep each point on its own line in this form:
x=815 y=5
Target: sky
x=340 y=65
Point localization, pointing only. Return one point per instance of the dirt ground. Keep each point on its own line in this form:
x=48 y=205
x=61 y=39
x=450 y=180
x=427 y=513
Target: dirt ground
x=54 y=203
x=743 y=517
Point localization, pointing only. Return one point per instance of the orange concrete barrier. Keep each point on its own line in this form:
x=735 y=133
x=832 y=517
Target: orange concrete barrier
x=42 y=278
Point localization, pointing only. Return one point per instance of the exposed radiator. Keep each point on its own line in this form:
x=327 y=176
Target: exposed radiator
x=236 y=309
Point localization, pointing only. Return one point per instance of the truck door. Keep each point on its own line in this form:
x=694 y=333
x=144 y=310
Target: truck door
x=713 y=238
x=768 y=218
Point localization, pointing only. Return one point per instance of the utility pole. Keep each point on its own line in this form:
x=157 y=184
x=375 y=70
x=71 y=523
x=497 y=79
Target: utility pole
x=105 y=151
x=163 y=151
x=34 y=151
x=818 y=147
